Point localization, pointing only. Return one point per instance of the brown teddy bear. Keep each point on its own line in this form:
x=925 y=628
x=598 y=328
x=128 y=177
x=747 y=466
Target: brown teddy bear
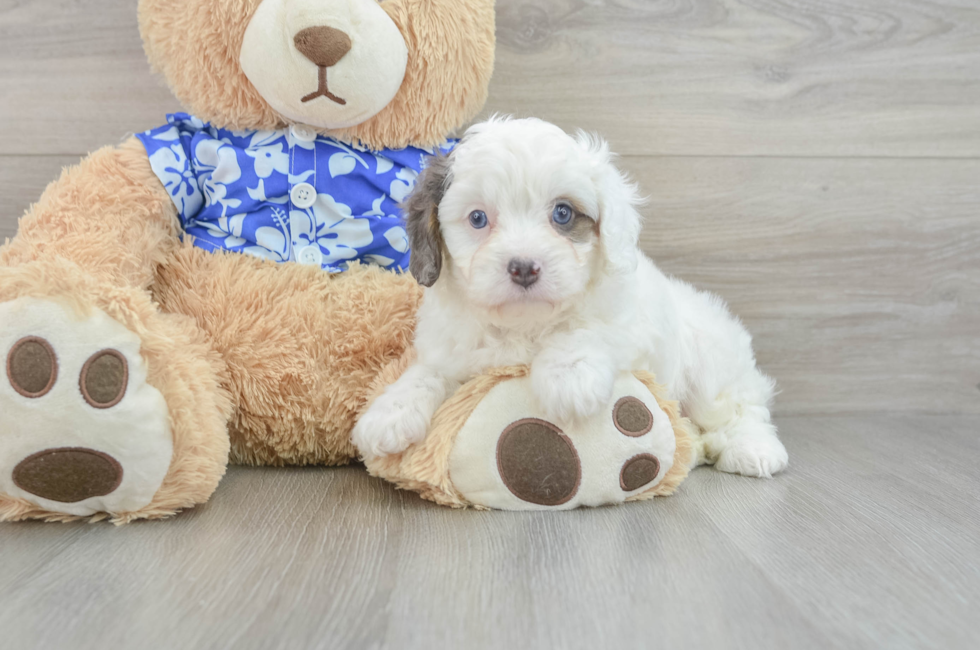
x=150 y=334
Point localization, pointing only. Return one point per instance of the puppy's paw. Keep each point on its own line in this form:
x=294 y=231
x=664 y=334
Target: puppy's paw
x=571 y=388
x=390 y=426
x=752 y=449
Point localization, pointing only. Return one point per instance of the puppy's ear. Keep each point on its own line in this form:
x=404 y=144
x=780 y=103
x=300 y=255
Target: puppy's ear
x=619 y=221
x=422 y=220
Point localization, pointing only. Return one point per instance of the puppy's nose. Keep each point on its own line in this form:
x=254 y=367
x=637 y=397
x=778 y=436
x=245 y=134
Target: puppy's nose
x=523 y=272
x=324 y=46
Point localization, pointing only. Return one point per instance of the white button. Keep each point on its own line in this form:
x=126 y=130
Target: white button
x=303 y=133
x=303 y=195
x=311 y=256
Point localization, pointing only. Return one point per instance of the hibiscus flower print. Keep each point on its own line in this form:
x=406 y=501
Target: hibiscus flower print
x=233 y=191
x=174 y=171
x=271 y=244
x=268 y=159
x=403 y=184
x=217 y=164
x=330 y=225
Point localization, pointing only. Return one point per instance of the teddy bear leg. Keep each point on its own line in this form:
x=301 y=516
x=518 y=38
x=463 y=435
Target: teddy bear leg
x=108 y=407
x=491 y=445
x=108 y=215
x=509 y=456
x=302 y=346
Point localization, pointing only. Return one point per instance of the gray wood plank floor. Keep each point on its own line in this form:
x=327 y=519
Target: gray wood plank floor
x=869 y=540
x=816 y=163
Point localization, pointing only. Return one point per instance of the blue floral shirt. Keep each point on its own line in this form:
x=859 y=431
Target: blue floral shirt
x=288 y=195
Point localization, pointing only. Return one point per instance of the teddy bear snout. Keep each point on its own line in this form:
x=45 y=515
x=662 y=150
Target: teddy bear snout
x=322 y=45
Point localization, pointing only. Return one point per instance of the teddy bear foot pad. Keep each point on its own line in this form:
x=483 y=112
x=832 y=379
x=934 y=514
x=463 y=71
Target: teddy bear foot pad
x=81 y=431
x=618 y=454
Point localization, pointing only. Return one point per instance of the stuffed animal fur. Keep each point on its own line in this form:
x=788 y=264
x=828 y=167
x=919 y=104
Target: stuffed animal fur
x=138 y=365
x=490 y=446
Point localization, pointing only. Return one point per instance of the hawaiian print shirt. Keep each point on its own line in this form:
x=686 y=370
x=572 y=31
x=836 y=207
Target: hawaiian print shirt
x=288 y=195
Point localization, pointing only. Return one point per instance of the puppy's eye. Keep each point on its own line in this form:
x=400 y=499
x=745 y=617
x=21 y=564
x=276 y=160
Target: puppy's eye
x=478 y=219
x=562 y=214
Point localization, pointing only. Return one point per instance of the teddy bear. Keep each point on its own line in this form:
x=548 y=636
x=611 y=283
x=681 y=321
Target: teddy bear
x=227 y=287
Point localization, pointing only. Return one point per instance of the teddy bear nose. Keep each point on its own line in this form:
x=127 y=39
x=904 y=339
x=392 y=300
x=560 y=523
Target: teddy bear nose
x=322 y=45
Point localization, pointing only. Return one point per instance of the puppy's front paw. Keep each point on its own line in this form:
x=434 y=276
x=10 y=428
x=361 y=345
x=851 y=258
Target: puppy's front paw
x=571 y=388
x=390 y=426
x=753 y=450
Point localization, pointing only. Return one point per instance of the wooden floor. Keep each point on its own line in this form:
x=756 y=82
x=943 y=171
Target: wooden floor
x=868 y=541
x=815 y=162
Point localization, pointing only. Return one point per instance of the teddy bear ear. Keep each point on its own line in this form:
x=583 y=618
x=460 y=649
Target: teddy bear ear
x=422 y=220
x=195 y=45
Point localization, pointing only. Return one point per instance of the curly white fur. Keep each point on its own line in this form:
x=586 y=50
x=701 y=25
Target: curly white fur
x=598 y=307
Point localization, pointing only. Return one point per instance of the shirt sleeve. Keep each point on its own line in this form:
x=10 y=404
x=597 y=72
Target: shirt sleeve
x=168 y=148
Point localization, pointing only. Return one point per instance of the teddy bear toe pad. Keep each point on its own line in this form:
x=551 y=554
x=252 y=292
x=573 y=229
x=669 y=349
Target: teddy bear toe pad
x=533 y=464
x=81 y=431
x=538 y=463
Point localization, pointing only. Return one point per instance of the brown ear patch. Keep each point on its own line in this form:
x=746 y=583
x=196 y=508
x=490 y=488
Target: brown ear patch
x=421 y=210
x=104 y=379
x=638 y=471
x=32 y=367
x=632 y=417
x=68 y=475
x=538 y=463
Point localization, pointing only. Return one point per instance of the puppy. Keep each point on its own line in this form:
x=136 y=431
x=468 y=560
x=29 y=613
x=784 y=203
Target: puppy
x=527 y=241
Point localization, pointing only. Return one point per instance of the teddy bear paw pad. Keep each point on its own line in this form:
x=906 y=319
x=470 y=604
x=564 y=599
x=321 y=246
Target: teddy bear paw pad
x=622 y=451
x=81 y=431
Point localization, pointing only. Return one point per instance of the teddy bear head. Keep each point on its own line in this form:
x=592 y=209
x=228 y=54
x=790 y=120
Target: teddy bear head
x=387 y=74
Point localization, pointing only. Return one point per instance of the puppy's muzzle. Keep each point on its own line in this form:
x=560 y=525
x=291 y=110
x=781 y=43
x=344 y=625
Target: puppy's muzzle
x=523 y=272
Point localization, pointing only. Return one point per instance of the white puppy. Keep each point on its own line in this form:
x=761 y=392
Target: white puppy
x=527 y=240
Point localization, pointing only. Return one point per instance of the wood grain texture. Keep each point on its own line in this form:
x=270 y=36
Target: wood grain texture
x=748 y=77
x=74 y=76
x=860 y=279
x=868 y=541
x=22 y=180
x=707 y=77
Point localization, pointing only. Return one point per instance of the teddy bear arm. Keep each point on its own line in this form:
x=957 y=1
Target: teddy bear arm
x=108 y=215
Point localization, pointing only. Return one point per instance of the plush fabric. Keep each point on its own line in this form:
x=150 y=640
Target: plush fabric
x=179 y=365
x=109 y=215
x=430 y=466
x=133 y=431
x=301 y=346
x=599 y=449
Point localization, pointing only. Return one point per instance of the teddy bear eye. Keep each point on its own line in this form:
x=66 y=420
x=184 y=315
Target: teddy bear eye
x=562 y=214
x=478 y=219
